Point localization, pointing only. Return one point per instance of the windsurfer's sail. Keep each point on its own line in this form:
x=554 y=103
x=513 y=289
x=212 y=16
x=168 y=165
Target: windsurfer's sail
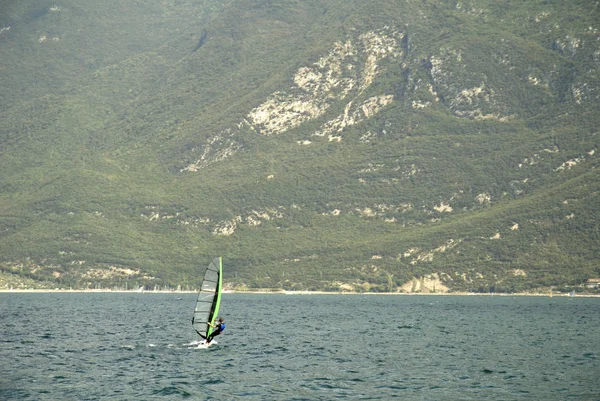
x=209 y=299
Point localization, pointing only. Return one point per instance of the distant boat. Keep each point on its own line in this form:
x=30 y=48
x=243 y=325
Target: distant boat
x=209 y=299
x=572 y=293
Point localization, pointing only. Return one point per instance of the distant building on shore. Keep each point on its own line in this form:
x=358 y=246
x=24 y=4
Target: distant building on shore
x=593 y=283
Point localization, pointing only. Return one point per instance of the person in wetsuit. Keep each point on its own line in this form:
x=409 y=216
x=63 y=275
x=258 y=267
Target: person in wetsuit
x=218 y=329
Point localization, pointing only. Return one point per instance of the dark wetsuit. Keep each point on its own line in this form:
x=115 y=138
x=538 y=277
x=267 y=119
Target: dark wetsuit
x=216 y=332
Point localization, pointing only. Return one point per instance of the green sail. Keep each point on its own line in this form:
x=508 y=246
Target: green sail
x=209 y=299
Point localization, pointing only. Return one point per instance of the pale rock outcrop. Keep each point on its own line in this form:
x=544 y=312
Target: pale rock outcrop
x=443 y=208
x=329 y=79
x=427 y=256
x=425 y=284
x=352 y=116
x=314 y=89
x=479 y=102
x=226 y=228
x=216 y=148
x=483 y=198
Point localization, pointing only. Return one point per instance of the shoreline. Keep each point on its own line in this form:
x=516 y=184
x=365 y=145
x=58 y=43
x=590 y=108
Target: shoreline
x=283 y=292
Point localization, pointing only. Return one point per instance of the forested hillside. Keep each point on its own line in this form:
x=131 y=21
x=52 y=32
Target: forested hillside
x=335 y=145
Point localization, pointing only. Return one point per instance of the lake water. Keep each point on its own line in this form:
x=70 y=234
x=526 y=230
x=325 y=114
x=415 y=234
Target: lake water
x=103 y=346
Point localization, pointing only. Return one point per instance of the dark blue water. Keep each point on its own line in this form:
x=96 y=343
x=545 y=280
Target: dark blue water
x=102 y=346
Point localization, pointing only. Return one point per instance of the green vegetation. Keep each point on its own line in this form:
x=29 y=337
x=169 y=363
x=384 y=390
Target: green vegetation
x=458 y=144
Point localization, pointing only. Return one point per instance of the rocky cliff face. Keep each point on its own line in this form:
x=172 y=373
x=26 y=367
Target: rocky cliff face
x=342 y=75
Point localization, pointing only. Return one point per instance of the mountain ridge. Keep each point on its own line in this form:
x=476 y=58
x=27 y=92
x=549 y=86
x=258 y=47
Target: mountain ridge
x=315 y=145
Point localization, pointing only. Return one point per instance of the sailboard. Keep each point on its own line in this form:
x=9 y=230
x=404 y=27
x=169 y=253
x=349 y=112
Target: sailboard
x=209 y=299
x=204 y=344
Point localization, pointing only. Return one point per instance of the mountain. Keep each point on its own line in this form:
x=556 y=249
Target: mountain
x=316 y=145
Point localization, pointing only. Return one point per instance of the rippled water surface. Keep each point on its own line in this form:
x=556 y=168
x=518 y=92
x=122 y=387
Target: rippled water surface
x=102 y=346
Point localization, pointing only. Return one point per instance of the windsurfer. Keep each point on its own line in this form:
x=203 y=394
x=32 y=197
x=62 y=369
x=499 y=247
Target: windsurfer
x=219 y=327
